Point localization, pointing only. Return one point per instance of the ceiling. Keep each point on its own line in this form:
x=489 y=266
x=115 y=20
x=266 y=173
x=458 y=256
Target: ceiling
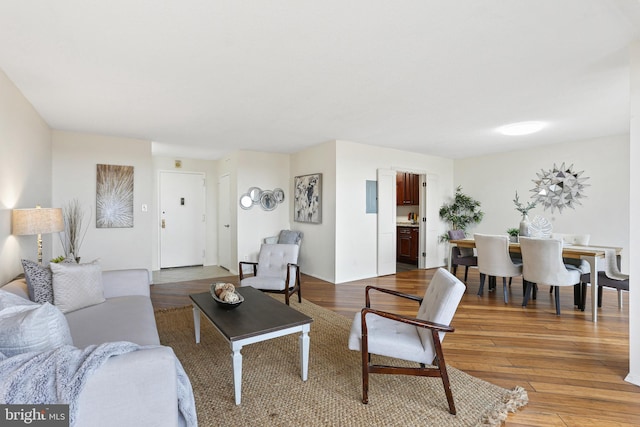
x=204 y=77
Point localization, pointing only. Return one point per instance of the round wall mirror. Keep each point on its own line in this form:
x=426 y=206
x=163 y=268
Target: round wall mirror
x=279 y=195
x=268 y=201
x=255 y=193
x=245 y=201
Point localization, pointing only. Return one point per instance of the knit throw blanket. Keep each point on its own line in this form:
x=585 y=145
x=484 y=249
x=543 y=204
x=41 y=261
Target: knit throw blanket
x=58 y=376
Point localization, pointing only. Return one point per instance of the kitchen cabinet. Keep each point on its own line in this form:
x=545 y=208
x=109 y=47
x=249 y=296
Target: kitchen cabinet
x=407 y=189
x=407 y=245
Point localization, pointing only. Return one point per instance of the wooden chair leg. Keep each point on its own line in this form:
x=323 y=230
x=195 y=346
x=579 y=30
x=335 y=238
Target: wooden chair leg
x=442 y=366
x=504 y=290
x=599 y=296
x=366 y=360
x=482 y=278
x=527 y=292
x=557 y=300
x=466 y=272
x=454 y=268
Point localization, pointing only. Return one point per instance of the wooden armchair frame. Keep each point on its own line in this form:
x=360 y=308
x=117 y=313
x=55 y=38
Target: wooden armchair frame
x=440 y=369
x=287 y=291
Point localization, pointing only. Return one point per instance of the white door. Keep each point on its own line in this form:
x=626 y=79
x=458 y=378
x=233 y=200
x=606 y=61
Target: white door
x=182 y=219
x=224 y=224
x=386 y=222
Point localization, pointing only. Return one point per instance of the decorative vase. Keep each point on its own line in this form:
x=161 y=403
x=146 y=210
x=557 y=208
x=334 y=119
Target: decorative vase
x=524 y=226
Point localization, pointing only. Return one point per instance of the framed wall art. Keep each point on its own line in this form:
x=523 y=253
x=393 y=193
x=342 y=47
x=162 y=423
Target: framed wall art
x=307 y=204
x=114 y=196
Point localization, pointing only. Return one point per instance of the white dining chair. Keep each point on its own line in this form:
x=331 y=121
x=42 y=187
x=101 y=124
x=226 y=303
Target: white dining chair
x=542 y=264
x=494 y=260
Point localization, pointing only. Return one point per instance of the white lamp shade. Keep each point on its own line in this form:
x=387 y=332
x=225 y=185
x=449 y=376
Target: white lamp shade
x=36 y=221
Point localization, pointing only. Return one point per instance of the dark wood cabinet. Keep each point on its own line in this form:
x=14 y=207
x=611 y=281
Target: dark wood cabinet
x=407 y=189
x=407 y=245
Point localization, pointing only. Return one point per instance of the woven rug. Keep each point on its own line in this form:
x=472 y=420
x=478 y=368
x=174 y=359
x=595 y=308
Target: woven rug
x=273 y=394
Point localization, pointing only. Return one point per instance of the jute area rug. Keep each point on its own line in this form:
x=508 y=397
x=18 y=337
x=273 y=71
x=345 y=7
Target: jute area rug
x=273 y=394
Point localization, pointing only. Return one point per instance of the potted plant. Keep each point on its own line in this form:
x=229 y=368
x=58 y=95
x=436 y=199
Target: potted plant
x=463 y=211
x=524 y=210
x=513 y=234
x=73 y=214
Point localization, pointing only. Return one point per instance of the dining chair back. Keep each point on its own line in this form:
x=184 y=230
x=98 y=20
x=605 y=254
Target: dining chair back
x=542 y=264
x=610 y=277
x=494 y=260
x=461 y=256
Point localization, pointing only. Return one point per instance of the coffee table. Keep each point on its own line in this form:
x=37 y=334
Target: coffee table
x=258 y=318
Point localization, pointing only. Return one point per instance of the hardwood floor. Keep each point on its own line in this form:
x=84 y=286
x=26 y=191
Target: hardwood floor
x=572 y=369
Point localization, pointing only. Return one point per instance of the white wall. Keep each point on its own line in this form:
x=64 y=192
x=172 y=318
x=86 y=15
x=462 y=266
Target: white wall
x=634 y=212
x=75 y=156
x=25 y=175
x=266 y=171
x=356 y=231
x=317 y=253
x=247 y=169
x=210 y=169
x=493 y=180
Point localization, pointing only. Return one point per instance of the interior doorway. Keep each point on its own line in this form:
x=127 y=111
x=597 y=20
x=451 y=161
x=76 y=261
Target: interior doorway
x=409 y=220
x=182 y=219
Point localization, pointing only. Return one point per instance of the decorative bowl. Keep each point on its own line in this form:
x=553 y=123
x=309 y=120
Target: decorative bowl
x=224 y=304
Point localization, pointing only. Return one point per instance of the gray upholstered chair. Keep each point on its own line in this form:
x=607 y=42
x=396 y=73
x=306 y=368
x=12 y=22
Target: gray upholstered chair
x=285 y=237
x=494 y=260
x=416 y=339
x=276 y=270
x=542 y=264
x=461 y=256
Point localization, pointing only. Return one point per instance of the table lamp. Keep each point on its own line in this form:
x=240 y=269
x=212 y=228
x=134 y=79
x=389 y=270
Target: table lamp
x=37 y=221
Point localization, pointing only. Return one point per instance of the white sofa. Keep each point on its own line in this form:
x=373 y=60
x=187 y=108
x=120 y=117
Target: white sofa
x=132 y=389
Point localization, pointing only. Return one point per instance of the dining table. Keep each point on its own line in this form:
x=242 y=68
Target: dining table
x=589 y=253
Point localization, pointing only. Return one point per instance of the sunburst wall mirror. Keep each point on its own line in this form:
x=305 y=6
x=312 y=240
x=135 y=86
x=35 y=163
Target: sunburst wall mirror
x=559 y=187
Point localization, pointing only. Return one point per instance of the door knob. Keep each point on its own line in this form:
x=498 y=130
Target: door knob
x=226 y=225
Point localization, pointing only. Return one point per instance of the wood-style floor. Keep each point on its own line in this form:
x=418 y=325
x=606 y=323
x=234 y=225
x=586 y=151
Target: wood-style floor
x=572 y=369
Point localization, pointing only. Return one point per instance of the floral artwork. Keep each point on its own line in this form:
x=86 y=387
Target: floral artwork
x=308 y=198
x=114 y=196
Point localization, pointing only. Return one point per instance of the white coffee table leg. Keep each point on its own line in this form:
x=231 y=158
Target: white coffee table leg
x=196 y=323
x=304 y=352
x=236 y=359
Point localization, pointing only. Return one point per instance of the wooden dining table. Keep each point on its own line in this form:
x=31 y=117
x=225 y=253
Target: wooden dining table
x=589 y=253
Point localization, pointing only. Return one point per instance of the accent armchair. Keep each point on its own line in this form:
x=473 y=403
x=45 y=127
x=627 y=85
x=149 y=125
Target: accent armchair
x=416 y=339
x=276 y=270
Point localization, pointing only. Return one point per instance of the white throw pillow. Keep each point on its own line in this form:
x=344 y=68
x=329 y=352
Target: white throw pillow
x=28 y=326
x=76 y=286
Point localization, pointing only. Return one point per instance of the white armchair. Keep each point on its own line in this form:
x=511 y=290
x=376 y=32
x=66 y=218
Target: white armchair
x=413 y=339
x=276 y=270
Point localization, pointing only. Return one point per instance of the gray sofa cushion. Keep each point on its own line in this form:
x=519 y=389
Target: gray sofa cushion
x=128 y=318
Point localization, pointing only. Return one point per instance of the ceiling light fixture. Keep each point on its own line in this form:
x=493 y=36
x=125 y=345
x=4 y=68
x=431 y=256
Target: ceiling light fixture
x=521 y=128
